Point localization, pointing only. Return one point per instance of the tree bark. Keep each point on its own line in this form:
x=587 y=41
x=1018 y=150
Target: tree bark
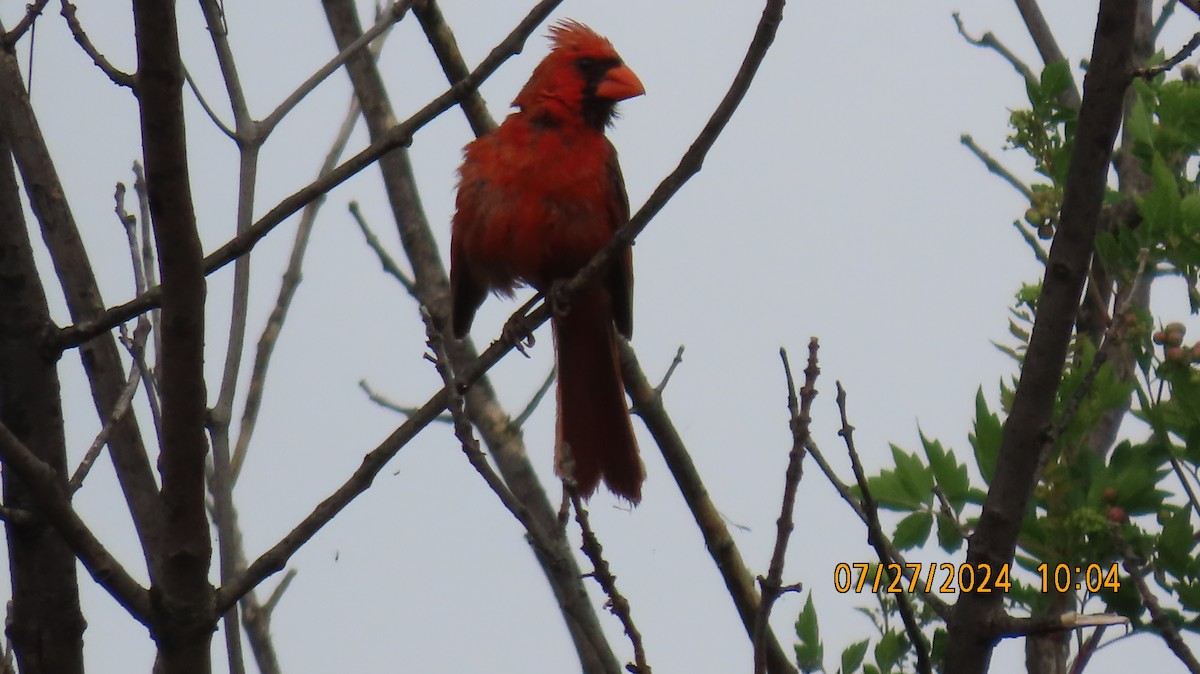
x=100 y=356
x=184 y=601
x=45 y=623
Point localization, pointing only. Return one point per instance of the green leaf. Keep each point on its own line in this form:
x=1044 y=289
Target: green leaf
x=915 y=475
x=810 y=651
x=1160 y=208
x=1056 y=78
x=986 y=438
x=1176 y=542
x=1189 y=595
x=852 y=657
x=1139 y=122
x=889 y=492
x=950 y=475
x=913 y=531
x=889 y=650
x=949 y=538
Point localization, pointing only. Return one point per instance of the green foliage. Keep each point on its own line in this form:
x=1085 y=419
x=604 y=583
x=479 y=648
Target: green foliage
x=810 y=652
x=1090 y=497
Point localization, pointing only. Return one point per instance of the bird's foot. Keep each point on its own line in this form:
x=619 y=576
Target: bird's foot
x=518 y=333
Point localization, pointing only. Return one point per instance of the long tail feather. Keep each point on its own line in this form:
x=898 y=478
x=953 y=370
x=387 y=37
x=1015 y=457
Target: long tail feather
x=593 y=419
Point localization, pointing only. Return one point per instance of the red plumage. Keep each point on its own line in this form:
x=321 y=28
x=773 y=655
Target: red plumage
x=537 y=199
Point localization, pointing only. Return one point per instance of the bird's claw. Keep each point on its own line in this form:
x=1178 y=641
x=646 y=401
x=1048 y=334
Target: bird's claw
x=516 y=331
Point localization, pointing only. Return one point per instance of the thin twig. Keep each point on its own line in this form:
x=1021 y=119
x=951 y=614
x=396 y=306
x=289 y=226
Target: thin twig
x=32 y=12
x=712 y=524
x=536 y=400
x=994 y=166
x=137 y=350
x=149 y=267
x=208 y=110
x=877 y=539
x=1032 y=241
x=93 y=451
x=288 y=286
x=989 y=41
x=1179 y=57
x=119 y=77
x=675 y=362
x=277 y=593
x=386 y=20
x=939 y=605
x=390 y=405
x=1167 y=11
x=385 y=259
x=799 y=419
x=617 y=602
x=1158 y=617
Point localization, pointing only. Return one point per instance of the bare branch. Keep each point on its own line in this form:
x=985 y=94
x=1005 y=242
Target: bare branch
x=47 y=489
x=994 y=166
x=289 y=284
x=1179 y=57
x=536 y=399
x=386 y=20
x=878 y=539
x=799 y=419
x=994 y=541
x=989 y=41
x=390 y=405
x=1047 y=46
x=119 y=77
x=389 y=263
x=212 y=114
x=1167 y=11
x=1160 y=618
x=717 y=541
x=675 y=362
x=445 y=47
x=32 y=12
x=617 y=602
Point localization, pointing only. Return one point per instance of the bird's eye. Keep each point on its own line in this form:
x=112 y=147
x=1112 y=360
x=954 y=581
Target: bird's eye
x=586 y=63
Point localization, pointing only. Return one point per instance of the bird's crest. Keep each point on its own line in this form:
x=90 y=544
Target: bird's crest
x=569 y=35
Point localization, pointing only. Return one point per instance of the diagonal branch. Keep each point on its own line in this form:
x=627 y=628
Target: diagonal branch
x=118 y=76
x=1047 y=46
x=994 y=542
x=32 y=12
x=717 y=540
x=46 y=486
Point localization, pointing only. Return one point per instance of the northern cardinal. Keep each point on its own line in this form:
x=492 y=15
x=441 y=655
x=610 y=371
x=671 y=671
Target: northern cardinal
x=537 y=198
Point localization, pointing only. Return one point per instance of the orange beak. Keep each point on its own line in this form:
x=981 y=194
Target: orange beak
x=619 y=83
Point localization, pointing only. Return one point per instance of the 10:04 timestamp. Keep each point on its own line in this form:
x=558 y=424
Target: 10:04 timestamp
x=1093 y=577
x=951 y=578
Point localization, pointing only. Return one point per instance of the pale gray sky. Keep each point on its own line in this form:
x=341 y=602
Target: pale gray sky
x=838 y=203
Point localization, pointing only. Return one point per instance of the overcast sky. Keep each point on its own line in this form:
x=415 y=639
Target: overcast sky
x=839 y=203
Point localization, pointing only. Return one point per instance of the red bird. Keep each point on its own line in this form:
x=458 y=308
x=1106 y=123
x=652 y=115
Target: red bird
x=537 y=198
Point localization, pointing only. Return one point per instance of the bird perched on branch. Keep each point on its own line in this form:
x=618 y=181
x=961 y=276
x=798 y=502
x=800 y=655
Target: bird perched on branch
x=538 y=197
